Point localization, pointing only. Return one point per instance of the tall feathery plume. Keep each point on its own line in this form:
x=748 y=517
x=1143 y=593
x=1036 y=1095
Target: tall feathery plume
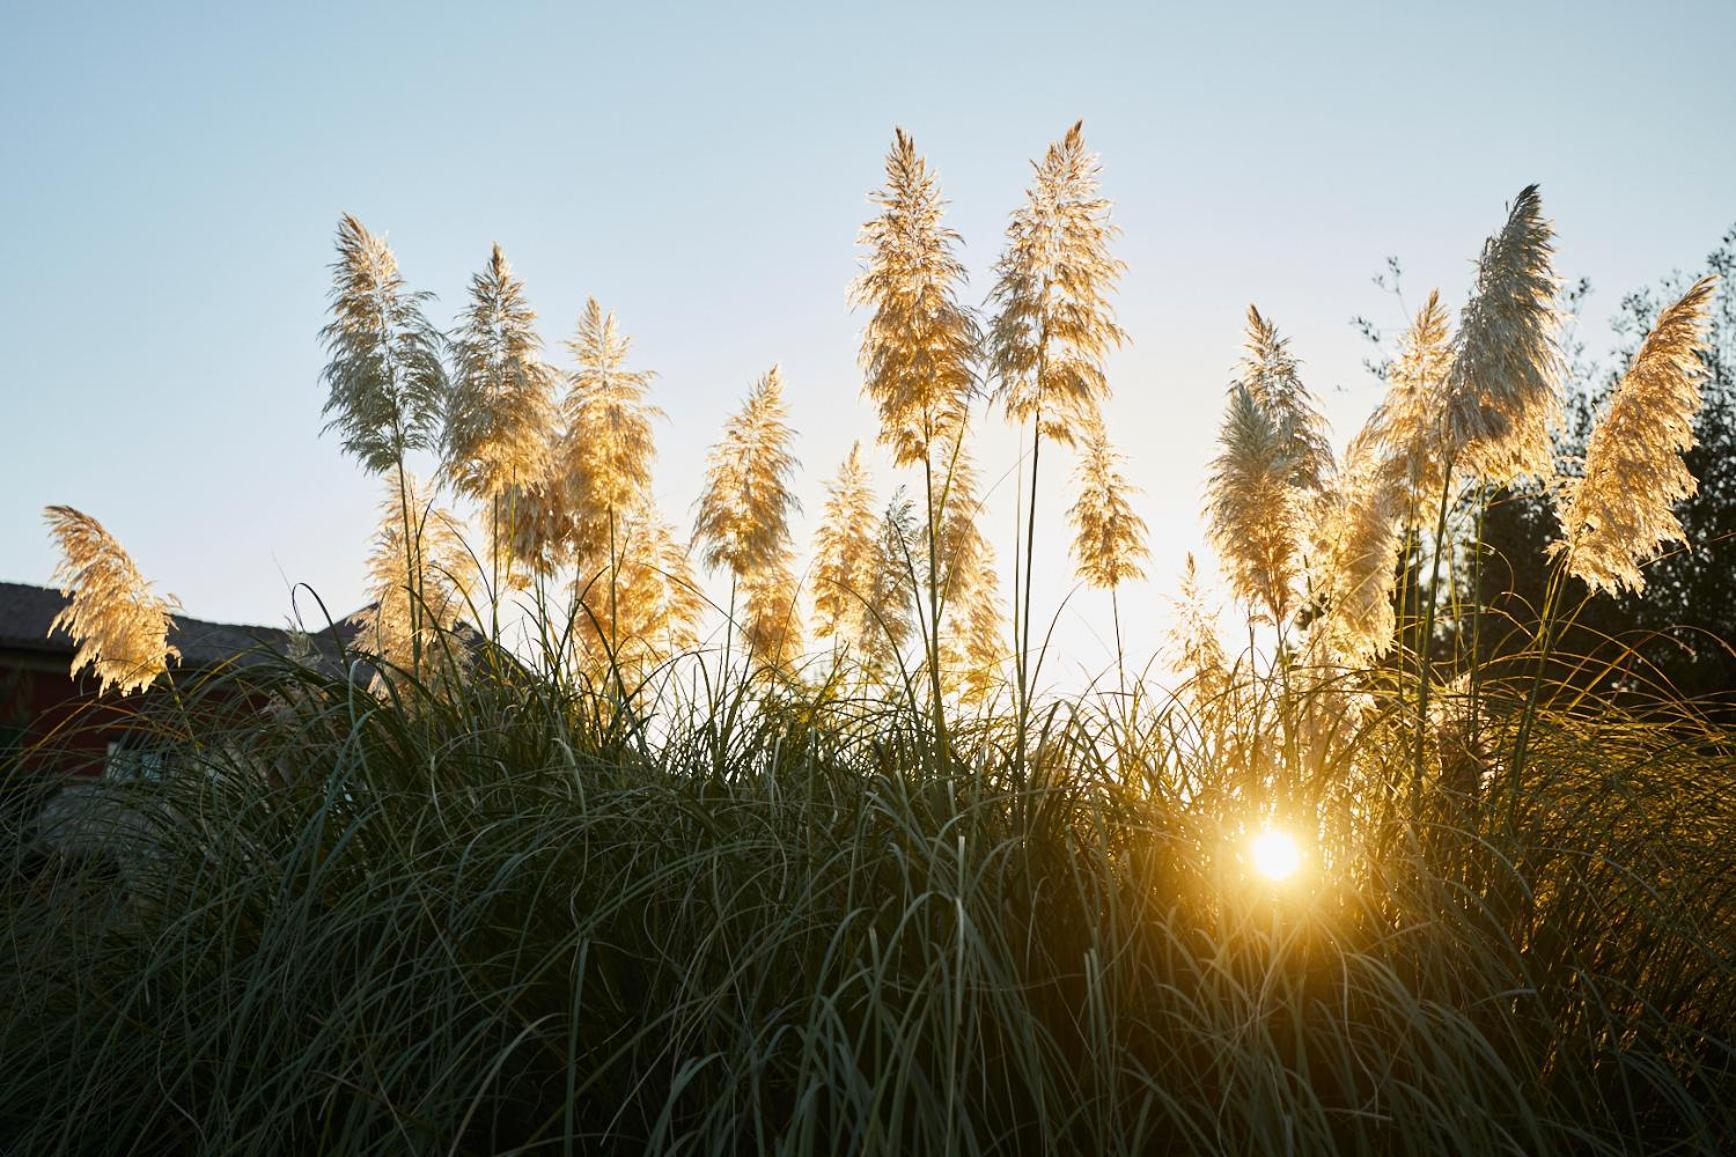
x=1358 y=539
x=1054 y=326
x=641 y=608
x=892 y=591
x=119 y=625
x=743 y=523
x=418 y=585
x=983 y=630
x=1270 y=372
x=1254 y=512
x=1394 y=467
x=1619 y=515
x=845 y=554
x=1197 y=651
x=772 y=622
x=386 y=386
x=1408 y=427
x=608 y=450
x=972 y=643
x=919 y=347
x=1501 y=388
x=541 y=520
x=1109 y=538
x=502 y=403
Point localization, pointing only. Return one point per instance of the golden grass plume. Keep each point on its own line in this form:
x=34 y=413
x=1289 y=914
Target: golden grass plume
x=1618 y=516
x=120 y=626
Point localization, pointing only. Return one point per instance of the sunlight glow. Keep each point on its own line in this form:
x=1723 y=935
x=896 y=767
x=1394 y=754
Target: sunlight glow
x=1276 y=855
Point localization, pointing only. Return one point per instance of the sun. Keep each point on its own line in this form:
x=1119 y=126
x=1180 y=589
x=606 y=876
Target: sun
x=1276 y=854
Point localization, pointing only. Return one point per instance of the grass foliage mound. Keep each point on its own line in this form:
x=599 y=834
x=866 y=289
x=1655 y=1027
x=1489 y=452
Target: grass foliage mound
x=506 y=915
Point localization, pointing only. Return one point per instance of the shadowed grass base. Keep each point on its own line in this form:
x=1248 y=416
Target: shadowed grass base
x=501 y=925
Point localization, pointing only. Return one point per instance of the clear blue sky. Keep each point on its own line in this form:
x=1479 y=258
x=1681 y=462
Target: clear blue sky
x=172 y=174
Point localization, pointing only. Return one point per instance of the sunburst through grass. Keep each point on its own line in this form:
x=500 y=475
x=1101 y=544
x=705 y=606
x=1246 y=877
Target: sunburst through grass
x=602 y=868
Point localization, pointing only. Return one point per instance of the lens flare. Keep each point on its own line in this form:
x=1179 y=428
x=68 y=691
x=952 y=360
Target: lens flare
x=1276 y=855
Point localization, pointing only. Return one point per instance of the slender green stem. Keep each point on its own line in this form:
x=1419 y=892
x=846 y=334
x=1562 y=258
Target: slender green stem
x=1425 y=645
x=936 y=511
x=1542 y=643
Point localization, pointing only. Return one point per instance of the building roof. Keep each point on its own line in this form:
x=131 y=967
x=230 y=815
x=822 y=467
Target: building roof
x=26 y=613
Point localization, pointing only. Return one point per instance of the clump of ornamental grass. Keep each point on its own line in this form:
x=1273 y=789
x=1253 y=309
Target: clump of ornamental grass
x=121 y=627
x=1619 y=515
x=562 y=904
x=484 y=923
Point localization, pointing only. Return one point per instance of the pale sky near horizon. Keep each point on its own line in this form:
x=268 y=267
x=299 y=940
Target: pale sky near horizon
x=172 y=174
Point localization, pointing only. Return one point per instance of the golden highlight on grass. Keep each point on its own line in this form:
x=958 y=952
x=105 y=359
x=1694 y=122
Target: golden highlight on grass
x=419 y=585
x=1254 y=513
x=120 y=626
x=1501 y=387
x=640 y=607
x=607 y=449
x=743 y=522
x=502 y=403
x=386 y=383
x=1054 y=324
x=1271 y=375
x=919 y=348
x=601 y=895
x=965 y=586
x=1109 y=537
x=845 y=555
x=1195 y=649
x=1053 y=329
x=891 y=605
x=1618 y=516
x=1358 y=540
x=1409 y=425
